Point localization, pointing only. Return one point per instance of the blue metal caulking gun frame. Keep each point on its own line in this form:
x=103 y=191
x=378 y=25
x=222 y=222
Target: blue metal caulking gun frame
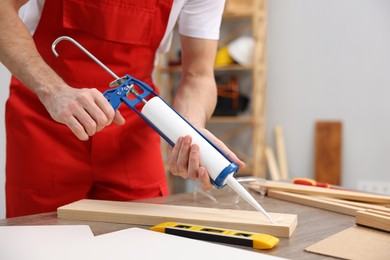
x=125 y=86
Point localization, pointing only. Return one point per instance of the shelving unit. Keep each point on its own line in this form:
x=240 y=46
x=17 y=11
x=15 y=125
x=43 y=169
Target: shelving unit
x=251 y=14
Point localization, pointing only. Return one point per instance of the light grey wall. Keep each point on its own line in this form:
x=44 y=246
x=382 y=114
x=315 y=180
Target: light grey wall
x=330 y=60
x=327 y=60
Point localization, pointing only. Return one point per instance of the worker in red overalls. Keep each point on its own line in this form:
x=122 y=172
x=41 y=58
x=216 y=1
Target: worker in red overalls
x=81 y=154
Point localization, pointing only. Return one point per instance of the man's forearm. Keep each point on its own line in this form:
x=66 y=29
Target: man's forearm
x=19 y=54
x=196 y=99
x=197 y=94
x=84 y=111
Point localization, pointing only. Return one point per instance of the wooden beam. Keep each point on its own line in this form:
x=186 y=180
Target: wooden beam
x=333 y=193
x=374 y=219
x=360 y=204
x=314 y=201
x=272 y=165
x=281 y=152
x=153 y=214
x=328 y=146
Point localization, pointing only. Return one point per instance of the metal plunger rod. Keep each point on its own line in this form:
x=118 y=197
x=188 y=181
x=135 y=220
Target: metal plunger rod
x=67 y=38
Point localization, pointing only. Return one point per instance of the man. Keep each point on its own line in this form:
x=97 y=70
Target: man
x=83 y=155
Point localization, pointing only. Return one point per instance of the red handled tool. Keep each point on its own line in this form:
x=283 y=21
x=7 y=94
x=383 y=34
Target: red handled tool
x=311 y=182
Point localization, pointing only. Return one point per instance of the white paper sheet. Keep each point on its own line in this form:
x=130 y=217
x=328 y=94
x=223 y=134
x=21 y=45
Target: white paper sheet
x=78 y=242
x=40 y=242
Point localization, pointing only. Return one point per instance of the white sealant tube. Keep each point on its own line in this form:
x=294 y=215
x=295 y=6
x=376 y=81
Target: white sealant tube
x=173 y=126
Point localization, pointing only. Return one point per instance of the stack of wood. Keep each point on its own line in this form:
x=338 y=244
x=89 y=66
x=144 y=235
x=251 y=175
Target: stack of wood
x=371 y=210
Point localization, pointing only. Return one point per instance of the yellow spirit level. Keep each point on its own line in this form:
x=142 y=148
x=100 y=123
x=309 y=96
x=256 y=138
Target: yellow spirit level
x=235 y=237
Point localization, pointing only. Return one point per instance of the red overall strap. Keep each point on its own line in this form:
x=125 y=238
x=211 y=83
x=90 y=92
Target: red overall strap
x=47 y=166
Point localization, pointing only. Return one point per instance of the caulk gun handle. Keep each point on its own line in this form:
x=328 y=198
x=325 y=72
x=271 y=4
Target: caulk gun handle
x=112 y=98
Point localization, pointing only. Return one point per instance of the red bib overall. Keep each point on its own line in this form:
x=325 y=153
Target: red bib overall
x=46 y=165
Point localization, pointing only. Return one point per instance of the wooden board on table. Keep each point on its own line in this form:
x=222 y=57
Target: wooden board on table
x=153 y=214
x=355 y=243
x=374 y=219
x=314 y=201
x=333 y=193
x=328 y=146
x=362 y=205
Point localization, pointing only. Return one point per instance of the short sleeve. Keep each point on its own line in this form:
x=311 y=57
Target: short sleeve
x=201 y=18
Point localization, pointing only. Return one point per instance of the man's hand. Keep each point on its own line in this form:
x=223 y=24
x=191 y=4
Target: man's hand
x=184 y=159
x=84 y=111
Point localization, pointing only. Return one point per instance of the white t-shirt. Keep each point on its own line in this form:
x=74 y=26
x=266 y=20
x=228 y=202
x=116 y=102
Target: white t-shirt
x=196 y=18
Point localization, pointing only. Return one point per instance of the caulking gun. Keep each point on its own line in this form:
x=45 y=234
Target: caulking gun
x=170 y=125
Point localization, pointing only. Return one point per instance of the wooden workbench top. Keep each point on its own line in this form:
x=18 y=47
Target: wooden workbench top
x=314 y=224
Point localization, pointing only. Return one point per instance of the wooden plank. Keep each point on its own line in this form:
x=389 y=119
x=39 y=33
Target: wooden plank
x=314 y=201
x=333 y=193
x=272 y=165
x=378 y=212
x=374 y=219
x=328 y=145
x=153 y=214
x=281 y=152
x=360 y=204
